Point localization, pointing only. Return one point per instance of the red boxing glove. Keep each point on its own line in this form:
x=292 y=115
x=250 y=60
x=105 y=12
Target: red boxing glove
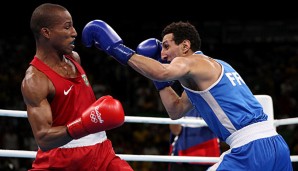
x=104 y=114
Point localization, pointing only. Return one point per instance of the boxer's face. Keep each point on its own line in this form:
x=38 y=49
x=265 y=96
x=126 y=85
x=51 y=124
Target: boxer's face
x=170 y=49
x=62 y=33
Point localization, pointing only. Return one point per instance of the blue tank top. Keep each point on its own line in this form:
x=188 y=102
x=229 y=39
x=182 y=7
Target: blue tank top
x=228 y=105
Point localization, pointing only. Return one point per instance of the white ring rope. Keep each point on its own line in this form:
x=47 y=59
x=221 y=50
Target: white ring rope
x=288 y=121
x=154 y=120
x=133 y=119
x=127 y=157
x=129 y=119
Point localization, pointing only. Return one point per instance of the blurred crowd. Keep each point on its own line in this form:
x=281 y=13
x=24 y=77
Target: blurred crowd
x=268 y=63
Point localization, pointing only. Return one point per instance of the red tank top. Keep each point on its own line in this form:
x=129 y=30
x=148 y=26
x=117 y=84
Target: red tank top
x=72 y=95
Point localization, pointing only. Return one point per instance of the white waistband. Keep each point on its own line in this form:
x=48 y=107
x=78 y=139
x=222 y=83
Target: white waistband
x=250 y=133
x=88 y=140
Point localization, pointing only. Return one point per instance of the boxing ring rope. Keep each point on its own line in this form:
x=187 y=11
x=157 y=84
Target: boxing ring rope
x=153 y=120
x=127 y=157
x=129 y=119
x=136 y=119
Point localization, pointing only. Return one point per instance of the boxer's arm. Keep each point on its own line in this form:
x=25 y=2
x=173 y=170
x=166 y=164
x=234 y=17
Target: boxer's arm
x=35 y=89
x=155 y=70
x=100 y=34
x=176 y=106
x=173 y=103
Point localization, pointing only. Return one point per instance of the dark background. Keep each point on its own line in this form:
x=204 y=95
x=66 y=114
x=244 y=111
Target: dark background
x=259 y=40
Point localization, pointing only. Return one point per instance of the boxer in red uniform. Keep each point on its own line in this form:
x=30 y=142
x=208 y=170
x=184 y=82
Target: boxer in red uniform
x=67 y=121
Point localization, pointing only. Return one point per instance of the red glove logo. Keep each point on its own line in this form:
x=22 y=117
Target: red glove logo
x=96 y=115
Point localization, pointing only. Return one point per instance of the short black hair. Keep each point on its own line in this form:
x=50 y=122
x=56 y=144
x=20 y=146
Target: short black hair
x=183 y=31
x=44 y=16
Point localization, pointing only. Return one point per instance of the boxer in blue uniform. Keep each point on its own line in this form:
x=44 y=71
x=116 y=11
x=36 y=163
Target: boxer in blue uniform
x=212 y=86
x=185 y=139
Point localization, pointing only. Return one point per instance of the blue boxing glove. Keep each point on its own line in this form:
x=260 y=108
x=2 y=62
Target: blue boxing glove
x=103 y=36
x=152 y=48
